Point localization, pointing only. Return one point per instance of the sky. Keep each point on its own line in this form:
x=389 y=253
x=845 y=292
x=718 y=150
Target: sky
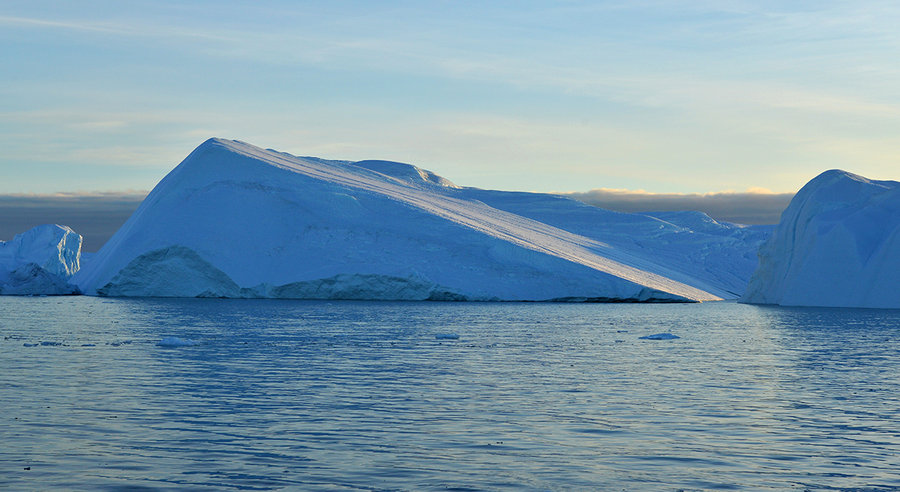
x=655 y=97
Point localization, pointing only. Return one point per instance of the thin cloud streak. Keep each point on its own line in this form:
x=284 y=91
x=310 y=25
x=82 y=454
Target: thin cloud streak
x=132 y=29
x=54 y=24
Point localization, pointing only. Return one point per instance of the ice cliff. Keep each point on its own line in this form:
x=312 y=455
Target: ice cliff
x=40 y=261
x=235 y=220
x=838 y=244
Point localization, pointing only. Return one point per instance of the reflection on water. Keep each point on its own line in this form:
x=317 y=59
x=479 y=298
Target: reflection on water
x=357 y=395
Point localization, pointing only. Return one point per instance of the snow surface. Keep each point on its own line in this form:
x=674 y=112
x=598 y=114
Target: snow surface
x=838 y=244
x=235 y=220
x=40 y=261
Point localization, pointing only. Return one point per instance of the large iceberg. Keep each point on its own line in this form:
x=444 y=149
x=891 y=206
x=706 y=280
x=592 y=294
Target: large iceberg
x=838 y=244
x=235 y=220
x=40 y=261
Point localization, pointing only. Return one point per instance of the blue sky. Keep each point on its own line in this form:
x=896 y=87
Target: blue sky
x=668 y=97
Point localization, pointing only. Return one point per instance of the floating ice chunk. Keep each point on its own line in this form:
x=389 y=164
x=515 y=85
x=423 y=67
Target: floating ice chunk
x=660 y=336
x=176 y=342
x=447 y=336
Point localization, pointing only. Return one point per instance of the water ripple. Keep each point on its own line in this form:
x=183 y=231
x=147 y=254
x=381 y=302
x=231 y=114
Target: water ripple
x=375 y=396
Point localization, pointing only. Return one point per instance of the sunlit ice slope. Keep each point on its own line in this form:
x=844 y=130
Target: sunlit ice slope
x=837 y=245
x=235 y=220
x=686 y=246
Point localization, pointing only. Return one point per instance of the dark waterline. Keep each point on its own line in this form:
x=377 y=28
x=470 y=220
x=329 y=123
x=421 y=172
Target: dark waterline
x=380 y=396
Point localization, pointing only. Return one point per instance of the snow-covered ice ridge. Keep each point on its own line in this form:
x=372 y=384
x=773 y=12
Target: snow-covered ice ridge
x=40 y=261
x=838 y=244
x=235 y=220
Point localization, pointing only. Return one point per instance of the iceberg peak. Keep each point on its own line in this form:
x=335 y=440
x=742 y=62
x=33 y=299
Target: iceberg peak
x=405 y=172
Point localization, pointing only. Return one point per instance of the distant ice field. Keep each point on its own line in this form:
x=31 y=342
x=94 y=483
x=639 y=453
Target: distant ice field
x=209 y=394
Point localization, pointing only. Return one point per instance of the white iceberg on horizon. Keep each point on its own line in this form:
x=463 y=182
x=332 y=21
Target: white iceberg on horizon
x=40 y=261
x=838 y=245
x=234 y=220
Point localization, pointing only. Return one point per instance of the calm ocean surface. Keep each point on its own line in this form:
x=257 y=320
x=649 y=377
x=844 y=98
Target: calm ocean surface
x=372 y=396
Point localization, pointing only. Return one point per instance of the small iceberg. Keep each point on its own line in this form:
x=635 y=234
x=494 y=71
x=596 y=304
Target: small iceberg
x=660 y=336
x=447 y=336
x=176 y=342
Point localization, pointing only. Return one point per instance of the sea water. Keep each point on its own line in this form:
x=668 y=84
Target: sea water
x=301 y=395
